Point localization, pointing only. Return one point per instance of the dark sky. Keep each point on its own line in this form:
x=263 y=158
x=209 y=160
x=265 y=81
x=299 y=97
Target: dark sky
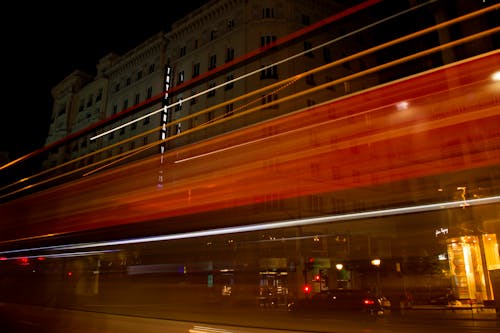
x=45 y=41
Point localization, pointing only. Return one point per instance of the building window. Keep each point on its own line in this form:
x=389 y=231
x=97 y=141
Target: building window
x=229 y=85
x=137 y=98
x=347 y=87
x=149 y=93
x=115 y=108
x=267 y=12
x=306 y=20
x=266 y=40
x=195 y=44
x=178 y=105
x=180 y=77
x=310 y=80
x=213 y=34
x=308 y=46
x=229 y=54
x=211 y=93
x=269 y=73
x=99 y=95
x=196 y=69
x=230 y=24
x=151 y=68
x=139 y=75
x=125 y=104
x=210 y=116
x=128 y=81
x=269 y=98
x=194 y=100
x=182 y=51
x=212 y=61
x=327 y=56
x=146 y=121
x=81 y=107
x=330 y=79
x=229 y=110
x=193 y=122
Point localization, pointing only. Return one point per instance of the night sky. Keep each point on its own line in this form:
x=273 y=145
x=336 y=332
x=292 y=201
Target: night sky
x=42 y=44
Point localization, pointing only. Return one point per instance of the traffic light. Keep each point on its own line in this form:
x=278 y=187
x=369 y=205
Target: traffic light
x=317 y=278
x=307 y=289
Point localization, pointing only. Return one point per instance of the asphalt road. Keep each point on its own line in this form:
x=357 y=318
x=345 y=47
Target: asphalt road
x=31 y=319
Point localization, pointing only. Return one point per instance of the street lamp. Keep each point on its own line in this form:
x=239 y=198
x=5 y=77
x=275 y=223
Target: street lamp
x=376 y=263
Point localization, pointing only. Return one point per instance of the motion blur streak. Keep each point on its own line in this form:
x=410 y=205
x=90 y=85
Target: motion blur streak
x=256 y=227
x=423 y=140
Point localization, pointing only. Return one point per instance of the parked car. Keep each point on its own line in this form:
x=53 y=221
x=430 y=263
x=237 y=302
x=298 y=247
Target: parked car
x=337 y=301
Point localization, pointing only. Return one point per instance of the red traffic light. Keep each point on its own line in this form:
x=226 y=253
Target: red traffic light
x=307 y=289
x=317 y=278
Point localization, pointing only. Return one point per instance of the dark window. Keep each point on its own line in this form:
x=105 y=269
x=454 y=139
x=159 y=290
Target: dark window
x=229 y=54
x=310 y=80
x=196 y=69
x=182 y=51
x=229 y=110
x=228 y=86
x=267 y=12
x=266 y=40
x=212 y=92
x=306 y=20
x=327 y=56
x=99 y=95
x=269 y=73
x=212 y=61
x=149 y=93
x=308 y=46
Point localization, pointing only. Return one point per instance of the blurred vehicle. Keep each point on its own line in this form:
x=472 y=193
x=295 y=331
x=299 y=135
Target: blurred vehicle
x=385 y=302
x=338 y=301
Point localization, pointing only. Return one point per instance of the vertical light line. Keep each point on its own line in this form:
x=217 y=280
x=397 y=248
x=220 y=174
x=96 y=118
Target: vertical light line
x=163 y=123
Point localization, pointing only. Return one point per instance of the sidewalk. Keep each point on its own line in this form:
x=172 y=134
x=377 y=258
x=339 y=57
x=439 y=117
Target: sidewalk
x=466 y=312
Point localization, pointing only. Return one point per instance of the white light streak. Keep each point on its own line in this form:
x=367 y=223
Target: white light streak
x=267 y=226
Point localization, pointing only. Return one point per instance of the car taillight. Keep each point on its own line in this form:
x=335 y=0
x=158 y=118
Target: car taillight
x=368 y=302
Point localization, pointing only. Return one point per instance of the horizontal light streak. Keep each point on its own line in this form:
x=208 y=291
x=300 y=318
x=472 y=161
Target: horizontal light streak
x=56 y=255
x=269 y=225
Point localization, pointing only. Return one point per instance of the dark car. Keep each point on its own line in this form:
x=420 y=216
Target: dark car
x=338 y=300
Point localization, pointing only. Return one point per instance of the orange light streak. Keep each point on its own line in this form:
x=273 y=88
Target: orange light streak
x=363 y=133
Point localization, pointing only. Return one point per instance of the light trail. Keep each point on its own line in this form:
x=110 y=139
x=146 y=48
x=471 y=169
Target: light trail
x=327 y=66
x=258 y=71
x=268 y=225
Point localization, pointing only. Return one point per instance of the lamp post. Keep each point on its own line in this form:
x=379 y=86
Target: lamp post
x=339 y=277
x=376 y=263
